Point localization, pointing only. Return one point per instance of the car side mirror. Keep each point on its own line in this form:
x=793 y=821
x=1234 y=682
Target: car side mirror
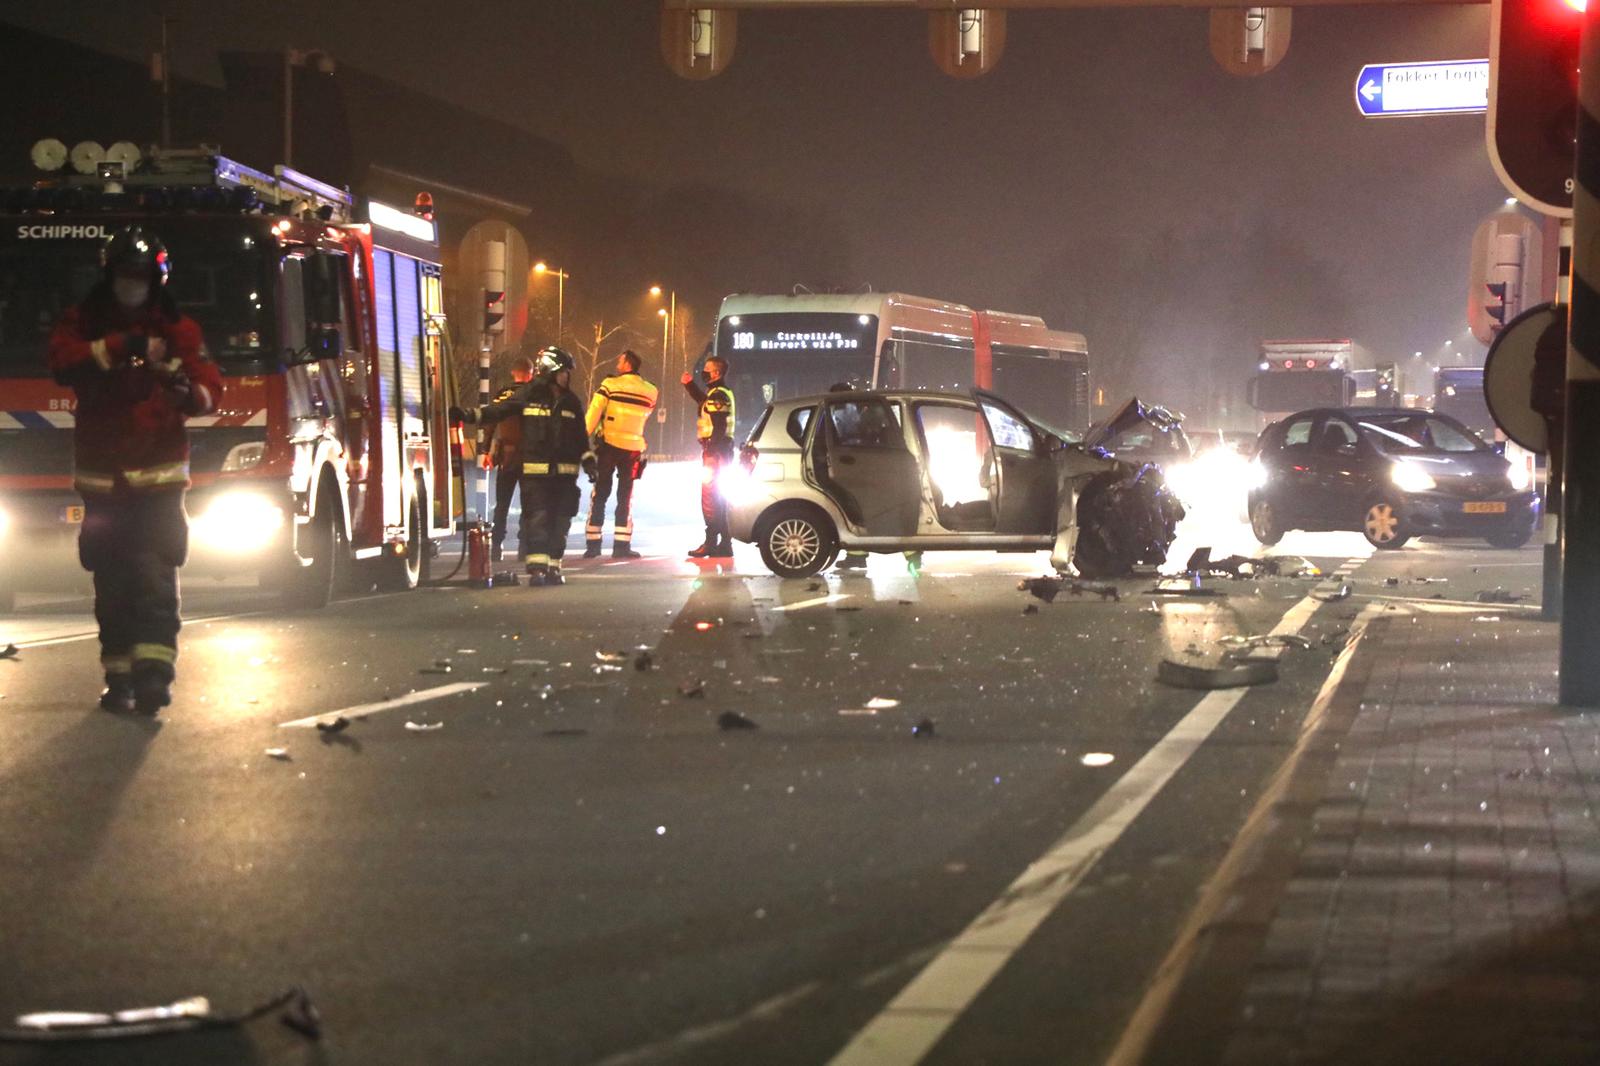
x=322 y=342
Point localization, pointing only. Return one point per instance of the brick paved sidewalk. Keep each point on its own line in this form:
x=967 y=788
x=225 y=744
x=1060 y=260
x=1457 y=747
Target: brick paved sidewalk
x=1427 y=887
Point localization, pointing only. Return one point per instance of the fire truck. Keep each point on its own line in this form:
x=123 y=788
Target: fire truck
x=329 y=460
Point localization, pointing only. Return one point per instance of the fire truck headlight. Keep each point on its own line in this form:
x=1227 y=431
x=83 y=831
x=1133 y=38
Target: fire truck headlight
x=244 y=456
x=239 y=523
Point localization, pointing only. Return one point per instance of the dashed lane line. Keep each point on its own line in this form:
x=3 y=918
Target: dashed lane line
x=916 y=1019
x=410 y=699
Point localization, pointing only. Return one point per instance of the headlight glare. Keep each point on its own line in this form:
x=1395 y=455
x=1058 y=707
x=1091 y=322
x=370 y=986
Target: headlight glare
x=239 y=522
x=1518 y=474
x=1408 y=477
x=244 y=456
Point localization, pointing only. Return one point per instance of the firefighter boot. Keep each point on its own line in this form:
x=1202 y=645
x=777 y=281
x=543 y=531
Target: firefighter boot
x=497 y=550
x=623 y=550
x=707 y=549
x=552 y=576
x=591 y=549
x=152 y=688
x=722 y=549
x=118 y=696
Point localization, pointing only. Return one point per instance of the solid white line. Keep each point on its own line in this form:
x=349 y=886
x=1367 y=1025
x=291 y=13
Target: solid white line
x=364 y=709
x=915 y=1020
x=799 y=605
x=95 y=633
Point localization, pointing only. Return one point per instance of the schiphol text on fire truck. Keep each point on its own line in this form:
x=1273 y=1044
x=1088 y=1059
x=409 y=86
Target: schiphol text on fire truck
x=331 y=454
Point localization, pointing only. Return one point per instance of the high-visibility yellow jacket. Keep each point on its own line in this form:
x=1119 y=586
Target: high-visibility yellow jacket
x=620 y=410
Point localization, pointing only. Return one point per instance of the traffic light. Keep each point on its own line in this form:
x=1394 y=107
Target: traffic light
x=1496 y=307
x=1533 y=99
x=494 y=311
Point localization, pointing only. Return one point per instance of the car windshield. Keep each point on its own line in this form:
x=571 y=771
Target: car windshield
x=1419 y=433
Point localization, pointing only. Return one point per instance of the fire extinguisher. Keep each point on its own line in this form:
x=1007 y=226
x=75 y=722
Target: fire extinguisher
x=480 y=572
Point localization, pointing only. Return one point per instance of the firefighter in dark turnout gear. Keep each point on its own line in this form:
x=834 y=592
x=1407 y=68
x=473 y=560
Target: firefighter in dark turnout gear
x=139 y=370
x=618 y=413
x=505 y=453
x=554 y=448
x=714 y=428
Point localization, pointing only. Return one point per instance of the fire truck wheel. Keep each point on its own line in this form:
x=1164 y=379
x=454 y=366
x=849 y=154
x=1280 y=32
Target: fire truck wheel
x=312 y=586
x=409 y=569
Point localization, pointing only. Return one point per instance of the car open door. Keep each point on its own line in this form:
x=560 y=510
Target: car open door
x=859 y=457
x=1026 y=497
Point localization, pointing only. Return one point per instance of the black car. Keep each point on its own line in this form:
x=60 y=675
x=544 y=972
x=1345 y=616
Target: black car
x=1389 y=474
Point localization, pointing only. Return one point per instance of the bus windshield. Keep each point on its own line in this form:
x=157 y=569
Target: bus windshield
x=775 y=356
x=221 y=277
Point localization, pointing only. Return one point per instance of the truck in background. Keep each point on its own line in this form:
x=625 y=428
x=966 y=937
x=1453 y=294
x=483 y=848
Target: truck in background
x=1294 y=375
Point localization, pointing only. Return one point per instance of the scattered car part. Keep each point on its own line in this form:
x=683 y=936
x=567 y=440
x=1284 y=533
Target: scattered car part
x=731 y=720
x=185 y=1015
x=923 y=730
x=1238 y=675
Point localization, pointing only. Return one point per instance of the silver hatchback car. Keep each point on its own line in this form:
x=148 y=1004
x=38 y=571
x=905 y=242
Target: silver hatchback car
x=925 y=471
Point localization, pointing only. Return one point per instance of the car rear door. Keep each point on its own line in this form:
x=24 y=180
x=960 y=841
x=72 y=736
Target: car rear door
x=1290 y=482
x=1339 y=472
x=861 y=459
x=1027 y=477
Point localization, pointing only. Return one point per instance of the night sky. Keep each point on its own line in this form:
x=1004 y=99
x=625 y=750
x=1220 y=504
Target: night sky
x=1107 y=175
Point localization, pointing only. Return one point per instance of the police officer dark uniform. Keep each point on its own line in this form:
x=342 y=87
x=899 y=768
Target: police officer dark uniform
x=618 y=413
x=554 y=448
x=138 y=368
x=714 y=429
x=505 y=452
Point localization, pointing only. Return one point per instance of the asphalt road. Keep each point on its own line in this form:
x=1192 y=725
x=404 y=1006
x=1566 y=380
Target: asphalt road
x=572 y=863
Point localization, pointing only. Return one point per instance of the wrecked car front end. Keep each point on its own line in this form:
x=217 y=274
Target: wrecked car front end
x=1113 y=514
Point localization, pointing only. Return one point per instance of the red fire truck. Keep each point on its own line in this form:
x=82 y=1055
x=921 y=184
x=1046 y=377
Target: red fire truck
x=330 y=456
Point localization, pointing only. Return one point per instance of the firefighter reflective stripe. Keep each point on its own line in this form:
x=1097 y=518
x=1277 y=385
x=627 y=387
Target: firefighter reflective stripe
x=565 y=413
x=85 y=482
x=549 y=468
x=117 y=664
x=623 y=535
x=102 y=358
x=537 y=559
x=536 y=412
x=718 y=401
x=157 y=653
x=620 y=410
x=166 y=474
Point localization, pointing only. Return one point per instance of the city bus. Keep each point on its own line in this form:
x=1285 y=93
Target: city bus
x=781 y=346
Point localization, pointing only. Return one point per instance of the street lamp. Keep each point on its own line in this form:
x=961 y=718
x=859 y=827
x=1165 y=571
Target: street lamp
x=298 y=57
x=561 y=291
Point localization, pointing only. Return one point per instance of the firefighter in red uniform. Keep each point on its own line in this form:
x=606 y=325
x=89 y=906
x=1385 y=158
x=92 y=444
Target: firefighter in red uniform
x=139 y=369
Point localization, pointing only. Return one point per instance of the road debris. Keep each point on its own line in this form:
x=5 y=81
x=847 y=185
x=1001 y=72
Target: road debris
x=1332 y=594
x=183 y=1016
x=1105 y=592
x=1032 y=608
x=1097 y=758
x=643 y=660
x=882 y=703
x=1286 y=641
x=1237 y=675
x=730 y=720
x=923 y=730
x=10 y=651
x=281 y=754
x=1500 y=595
x=692 y=690
x=1043 y=588
x=611 y=656
x=424 y=727
x=607 y=668
x=337 y=725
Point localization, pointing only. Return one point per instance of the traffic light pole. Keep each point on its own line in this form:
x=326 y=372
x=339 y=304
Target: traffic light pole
x=1550 y=597
x=1580 y=497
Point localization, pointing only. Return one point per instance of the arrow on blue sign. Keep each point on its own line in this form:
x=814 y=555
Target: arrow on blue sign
x=1446 y=87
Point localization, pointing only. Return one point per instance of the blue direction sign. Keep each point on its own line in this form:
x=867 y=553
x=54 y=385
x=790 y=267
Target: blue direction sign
x=1449 y=87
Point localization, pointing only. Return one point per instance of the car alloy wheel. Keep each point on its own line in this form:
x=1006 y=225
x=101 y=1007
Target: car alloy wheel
x=1381 y=525
x=795 y=542
x=1264 y=523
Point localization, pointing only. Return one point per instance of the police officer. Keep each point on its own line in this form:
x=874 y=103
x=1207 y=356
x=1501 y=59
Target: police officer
x=554 y=448
x=618 y=413
x=714 y=428
x=139 y=369
x=505 y=452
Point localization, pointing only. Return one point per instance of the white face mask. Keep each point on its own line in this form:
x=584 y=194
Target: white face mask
x=130 y=292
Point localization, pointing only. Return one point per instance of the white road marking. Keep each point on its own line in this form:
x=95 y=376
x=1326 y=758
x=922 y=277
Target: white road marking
x=799 y=605
x=916 y=1019
x=94 y=634
x=408 y=700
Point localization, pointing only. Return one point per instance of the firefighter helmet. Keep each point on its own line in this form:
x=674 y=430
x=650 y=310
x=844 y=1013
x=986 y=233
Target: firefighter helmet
x=553 y=360
x=133 y=248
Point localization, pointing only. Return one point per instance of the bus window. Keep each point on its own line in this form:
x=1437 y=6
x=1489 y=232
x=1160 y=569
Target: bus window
x=928 y=362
